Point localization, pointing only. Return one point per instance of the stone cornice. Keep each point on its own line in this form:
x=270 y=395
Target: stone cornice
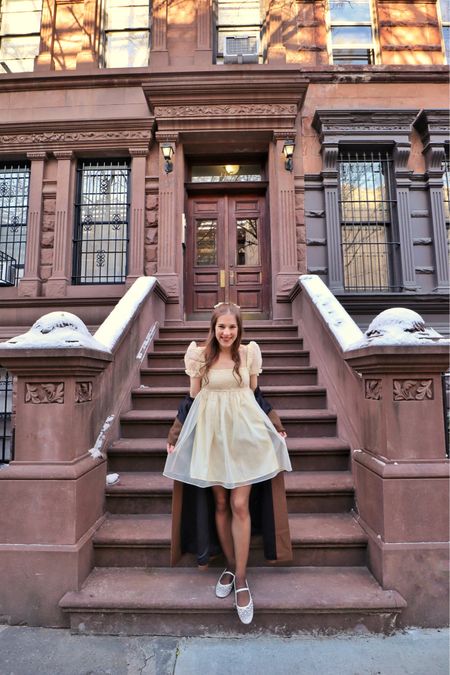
x=388 y=125
x=89 y=135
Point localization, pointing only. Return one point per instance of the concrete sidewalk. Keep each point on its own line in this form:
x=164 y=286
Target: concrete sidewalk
x=41 y=651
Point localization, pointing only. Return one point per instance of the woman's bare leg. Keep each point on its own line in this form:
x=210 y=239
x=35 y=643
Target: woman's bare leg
x=241 y=530
x=223 y=524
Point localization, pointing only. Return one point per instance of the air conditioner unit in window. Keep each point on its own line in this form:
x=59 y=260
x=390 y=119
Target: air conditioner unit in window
x=240 y=49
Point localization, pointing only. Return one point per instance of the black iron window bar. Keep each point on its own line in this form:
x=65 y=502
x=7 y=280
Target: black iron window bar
x=6 y=436
x=353 y=56
x=366 y=212
x=101 y=222
x=14 y=192
x=446 y=196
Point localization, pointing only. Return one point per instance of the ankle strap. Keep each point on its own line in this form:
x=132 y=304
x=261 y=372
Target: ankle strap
x=239 y=590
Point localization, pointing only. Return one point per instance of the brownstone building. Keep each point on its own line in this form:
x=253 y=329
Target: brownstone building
x=224 y=148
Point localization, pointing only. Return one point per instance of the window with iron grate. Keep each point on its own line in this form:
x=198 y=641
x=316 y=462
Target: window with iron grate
x=101 y=222
x=14 y=191
x=366 y=207
x=20 y=25
x=126 y=33
x=351 y=32
x=446 y=197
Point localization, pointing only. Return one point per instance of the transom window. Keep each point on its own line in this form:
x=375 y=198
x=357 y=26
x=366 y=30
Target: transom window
x=20 y=25
x=366 y=212
x=14 y=190
x=238 y=31
x=445 y=19
x=351 y=31
x=226 y=173
x=126 y=33
x=101 y=226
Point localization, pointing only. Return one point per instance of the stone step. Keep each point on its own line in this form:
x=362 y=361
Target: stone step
x=291 y=397
x=252 y=330
x=306 y=491
x=272 y=357
x=266 y=342
x=181 y=601
x=307 y=454
x=156 y=423
x=271 y=375
x=142 y=540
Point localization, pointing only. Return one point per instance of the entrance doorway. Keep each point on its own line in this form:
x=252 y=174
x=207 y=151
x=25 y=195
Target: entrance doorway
x=227 y=254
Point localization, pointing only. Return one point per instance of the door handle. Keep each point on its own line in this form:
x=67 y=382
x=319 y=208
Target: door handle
x=222 y=278
x=231 y=277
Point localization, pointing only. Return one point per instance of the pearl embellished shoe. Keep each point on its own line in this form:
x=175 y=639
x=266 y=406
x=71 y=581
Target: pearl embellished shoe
x=244 y=613
x=222 y=590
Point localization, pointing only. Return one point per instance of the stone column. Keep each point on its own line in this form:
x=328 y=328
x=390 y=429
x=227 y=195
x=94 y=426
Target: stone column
x=283 y=224
x=159 y=56
x=44 y=60
x=435 y=157
x=203 y=52
x=30 y=284
x=137 y=215
x=330 y=153
x=88 y=56
x=62 y=248
x=403 y=185
x=167 y=230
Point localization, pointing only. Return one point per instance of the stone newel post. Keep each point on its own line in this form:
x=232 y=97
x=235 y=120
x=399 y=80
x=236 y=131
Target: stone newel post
x=401 y=470
x=52 y=494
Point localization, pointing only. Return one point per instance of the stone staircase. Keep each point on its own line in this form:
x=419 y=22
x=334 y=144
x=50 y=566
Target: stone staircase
x=133 y=590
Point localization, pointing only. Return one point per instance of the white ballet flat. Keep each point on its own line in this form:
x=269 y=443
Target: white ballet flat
x=244 y=613
x=222 y=590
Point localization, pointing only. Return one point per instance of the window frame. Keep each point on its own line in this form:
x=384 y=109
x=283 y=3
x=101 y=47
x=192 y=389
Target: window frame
x=77 y=252
x=4 y=68
x=123 y=31
x=348 y=47
x=241 y=30
x=22 y=167
x=444 y=25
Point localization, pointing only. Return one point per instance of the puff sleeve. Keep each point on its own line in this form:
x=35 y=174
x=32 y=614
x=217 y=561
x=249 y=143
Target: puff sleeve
x=193 y=360
x=254 y=359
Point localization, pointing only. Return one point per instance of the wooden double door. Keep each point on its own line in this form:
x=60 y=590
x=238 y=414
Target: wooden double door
x=227 y=254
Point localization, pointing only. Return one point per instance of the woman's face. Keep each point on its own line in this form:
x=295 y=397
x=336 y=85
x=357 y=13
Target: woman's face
x=226 y=330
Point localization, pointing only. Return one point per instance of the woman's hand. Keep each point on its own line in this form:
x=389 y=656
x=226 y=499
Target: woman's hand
x=283 y=434
x=170 y=448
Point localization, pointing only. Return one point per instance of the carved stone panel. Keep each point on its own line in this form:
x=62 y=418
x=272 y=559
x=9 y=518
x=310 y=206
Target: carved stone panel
x=412 y=390
x=83 y=392
x=372 y=390
x=44 y=392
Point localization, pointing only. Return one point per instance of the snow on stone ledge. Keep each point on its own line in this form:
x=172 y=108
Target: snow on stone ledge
x=115 y=324
x=399 y=326
x=56 y=330
x=337 y=319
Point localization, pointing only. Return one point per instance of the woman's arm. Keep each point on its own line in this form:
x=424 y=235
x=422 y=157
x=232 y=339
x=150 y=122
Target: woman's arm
x=195 y=386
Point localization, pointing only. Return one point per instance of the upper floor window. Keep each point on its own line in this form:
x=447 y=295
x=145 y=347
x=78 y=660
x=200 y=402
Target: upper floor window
x=239 y=29
x=14 y=189
x=101 y=222
x=445 y=18
x=127 y=26
x=351 y=32
x=20 y=25
x=366 y=208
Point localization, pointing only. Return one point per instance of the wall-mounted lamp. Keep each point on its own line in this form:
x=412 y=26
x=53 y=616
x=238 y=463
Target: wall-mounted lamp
x=288 y=152
x=167 y=151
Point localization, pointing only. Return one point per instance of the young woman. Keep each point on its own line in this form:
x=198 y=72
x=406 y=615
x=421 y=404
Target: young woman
x=227 y=442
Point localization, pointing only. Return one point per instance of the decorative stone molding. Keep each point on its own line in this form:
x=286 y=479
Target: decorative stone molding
x=138 y=152
x=227 y=110
x=284 y=134
x=167 y=136
x=83 y=392
x=412 y=390
x=381 y=124
x=372 y=390
x=45 y=392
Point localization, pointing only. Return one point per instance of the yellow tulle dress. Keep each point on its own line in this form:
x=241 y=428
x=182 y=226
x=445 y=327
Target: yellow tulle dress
x=226 y=439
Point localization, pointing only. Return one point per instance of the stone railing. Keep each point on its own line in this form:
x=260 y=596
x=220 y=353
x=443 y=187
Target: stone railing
x=385 y=387
x=70 y=388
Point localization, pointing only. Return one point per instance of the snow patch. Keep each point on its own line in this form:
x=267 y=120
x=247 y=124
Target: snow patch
x=399 y=326
x=148 y=338
x=115 y=324
x=56 y=330
x=112 y=478
x=337 y=319
x=96 y=451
